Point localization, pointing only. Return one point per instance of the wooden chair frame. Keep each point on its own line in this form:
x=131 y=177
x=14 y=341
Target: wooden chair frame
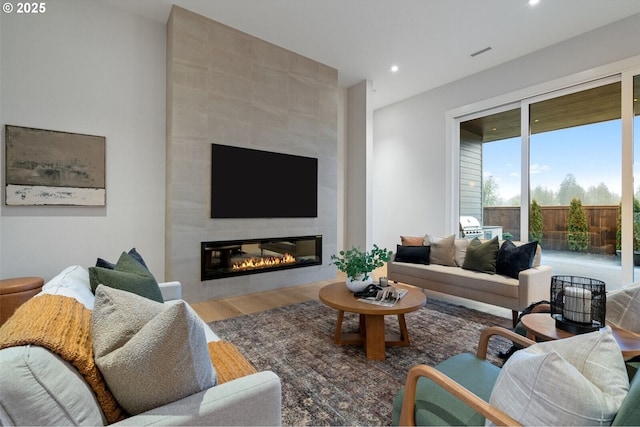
x=407 y=414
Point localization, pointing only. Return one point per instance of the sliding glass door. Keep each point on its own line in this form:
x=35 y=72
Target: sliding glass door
x=559 y=168
x=575 y=179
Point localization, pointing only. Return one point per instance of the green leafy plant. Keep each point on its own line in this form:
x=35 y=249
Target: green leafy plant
x=507 y=236
x=535 y=222
x=577 y=227
x=355 y=262
x=636 y=226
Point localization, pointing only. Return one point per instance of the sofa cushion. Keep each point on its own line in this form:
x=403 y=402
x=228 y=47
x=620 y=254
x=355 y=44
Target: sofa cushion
x=442 y=249
x=512 y=259
x=481 y=256
x=413 y=254
x=149 y=353
x=580 y=380
x=128 y=275
x=469 y=284
x=52 y=390
x=72 y=282
x=412 y=240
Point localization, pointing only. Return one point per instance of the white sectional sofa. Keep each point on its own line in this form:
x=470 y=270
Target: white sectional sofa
x=532 y=284
x=38 y=387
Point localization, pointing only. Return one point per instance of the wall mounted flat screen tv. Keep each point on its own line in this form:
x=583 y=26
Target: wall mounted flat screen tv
x=247 y=183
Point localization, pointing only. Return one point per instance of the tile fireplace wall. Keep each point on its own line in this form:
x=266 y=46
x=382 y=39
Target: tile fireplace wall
x=227 y=87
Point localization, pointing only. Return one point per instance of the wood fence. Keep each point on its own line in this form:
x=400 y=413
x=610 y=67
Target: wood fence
x=602 y=226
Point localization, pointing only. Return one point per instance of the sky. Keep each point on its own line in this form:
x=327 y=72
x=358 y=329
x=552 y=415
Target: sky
x=592 y=153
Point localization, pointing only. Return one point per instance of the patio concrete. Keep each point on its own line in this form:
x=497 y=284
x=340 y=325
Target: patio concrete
x=602 y=267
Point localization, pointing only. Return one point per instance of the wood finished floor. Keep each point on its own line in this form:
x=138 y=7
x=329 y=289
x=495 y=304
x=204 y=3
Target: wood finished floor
x=226 y=308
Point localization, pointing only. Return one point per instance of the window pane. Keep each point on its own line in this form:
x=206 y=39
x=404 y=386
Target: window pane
x=575 y=178
x=490 y=172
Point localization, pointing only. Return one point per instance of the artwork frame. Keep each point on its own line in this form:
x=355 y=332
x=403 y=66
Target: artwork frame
x=54 y=168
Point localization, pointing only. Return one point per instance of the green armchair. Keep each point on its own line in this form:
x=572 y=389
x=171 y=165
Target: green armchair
x=457 y=390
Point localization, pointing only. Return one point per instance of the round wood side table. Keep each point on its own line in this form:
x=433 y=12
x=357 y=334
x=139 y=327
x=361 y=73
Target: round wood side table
x=16 y=291
x=543 y=326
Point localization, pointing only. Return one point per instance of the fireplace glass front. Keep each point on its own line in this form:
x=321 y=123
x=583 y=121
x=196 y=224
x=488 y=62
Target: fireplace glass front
x=249 y=256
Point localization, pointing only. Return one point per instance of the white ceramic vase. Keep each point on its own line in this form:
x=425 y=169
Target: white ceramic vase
x=358 y=285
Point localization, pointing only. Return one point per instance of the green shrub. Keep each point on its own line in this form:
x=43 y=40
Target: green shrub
x=577 y=227
x=636 y=226
x=535 y=222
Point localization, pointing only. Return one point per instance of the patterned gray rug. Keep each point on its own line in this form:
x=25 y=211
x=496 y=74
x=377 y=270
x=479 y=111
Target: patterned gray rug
x=325 y=384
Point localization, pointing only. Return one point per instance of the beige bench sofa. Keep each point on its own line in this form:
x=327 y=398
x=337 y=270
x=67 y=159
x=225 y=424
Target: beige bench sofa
x=532 y=284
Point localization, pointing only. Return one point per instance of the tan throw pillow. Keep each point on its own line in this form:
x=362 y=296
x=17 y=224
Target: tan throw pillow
x=412 y=240
x=460 y=246
x=575 y=381
x=442 y=250
x=149 y=353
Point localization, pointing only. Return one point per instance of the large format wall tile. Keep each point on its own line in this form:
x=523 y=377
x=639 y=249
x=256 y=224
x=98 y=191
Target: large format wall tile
x=227 y=87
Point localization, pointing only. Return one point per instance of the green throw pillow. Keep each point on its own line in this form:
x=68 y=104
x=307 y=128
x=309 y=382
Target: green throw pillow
x=128 y=275
x=482 y=256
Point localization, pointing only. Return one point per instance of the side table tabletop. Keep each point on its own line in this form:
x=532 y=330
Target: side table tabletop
x=371 y=327
x=16 y=291
x=543 y=326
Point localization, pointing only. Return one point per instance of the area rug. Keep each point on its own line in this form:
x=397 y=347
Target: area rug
x=324 y=384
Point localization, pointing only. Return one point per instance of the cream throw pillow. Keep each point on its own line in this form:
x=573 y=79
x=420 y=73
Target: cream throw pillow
x=580 y=380
x=623 y=308
x=149 y=353
x=442 y=249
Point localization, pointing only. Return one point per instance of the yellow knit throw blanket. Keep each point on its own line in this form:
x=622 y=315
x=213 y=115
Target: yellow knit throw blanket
x=62 y=325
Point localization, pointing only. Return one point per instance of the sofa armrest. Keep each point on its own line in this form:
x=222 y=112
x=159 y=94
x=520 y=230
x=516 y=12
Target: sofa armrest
x=535 y=285
x=251 y=400
x=171 y=290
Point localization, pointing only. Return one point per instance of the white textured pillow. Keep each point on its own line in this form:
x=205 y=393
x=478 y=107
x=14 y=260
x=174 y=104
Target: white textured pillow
x=72 y=282
x=623 y=308
x=580 y=380
x=149 y=353
x=442 y=249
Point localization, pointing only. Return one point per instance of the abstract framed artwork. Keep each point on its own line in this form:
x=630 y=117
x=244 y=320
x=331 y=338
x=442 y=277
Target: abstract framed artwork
x=46 y=167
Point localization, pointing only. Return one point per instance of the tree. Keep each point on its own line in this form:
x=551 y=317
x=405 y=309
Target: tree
x=600 y=195
x=577 y=227
x=535 y=222
x=569 y=190
x=636 y=226
x=544 y=196
x=490 y=192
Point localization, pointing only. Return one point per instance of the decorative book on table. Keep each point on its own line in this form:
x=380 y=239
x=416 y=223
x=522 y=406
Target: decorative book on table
x=386 y=297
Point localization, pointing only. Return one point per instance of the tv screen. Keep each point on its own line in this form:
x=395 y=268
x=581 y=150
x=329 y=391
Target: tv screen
x=248 y=183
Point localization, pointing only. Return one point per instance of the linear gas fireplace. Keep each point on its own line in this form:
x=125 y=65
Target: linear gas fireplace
x=249 y=256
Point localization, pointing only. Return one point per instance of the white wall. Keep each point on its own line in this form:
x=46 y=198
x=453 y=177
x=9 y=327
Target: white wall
x=410 y=146
x=88 y=68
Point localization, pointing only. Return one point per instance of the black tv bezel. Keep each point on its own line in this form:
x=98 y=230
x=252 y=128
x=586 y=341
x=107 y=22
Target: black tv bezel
x=283 y=206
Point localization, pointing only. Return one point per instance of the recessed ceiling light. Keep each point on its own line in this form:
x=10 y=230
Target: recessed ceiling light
x=534 y=2
x=394 y=68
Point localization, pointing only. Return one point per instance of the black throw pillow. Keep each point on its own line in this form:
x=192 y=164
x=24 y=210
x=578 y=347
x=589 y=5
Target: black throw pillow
x=111 y=266
x=513 y=259
x=413 y=254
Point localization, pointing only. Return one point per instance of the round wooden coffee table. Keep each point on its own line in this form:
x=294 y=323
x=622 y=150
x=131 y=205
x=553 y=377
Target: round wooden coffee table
x=543 y=326
x=371 y=331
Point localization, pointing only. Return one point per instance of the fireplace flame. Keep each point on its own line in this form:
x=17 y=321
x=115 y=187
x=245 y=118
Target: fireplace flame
x=263 y=262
